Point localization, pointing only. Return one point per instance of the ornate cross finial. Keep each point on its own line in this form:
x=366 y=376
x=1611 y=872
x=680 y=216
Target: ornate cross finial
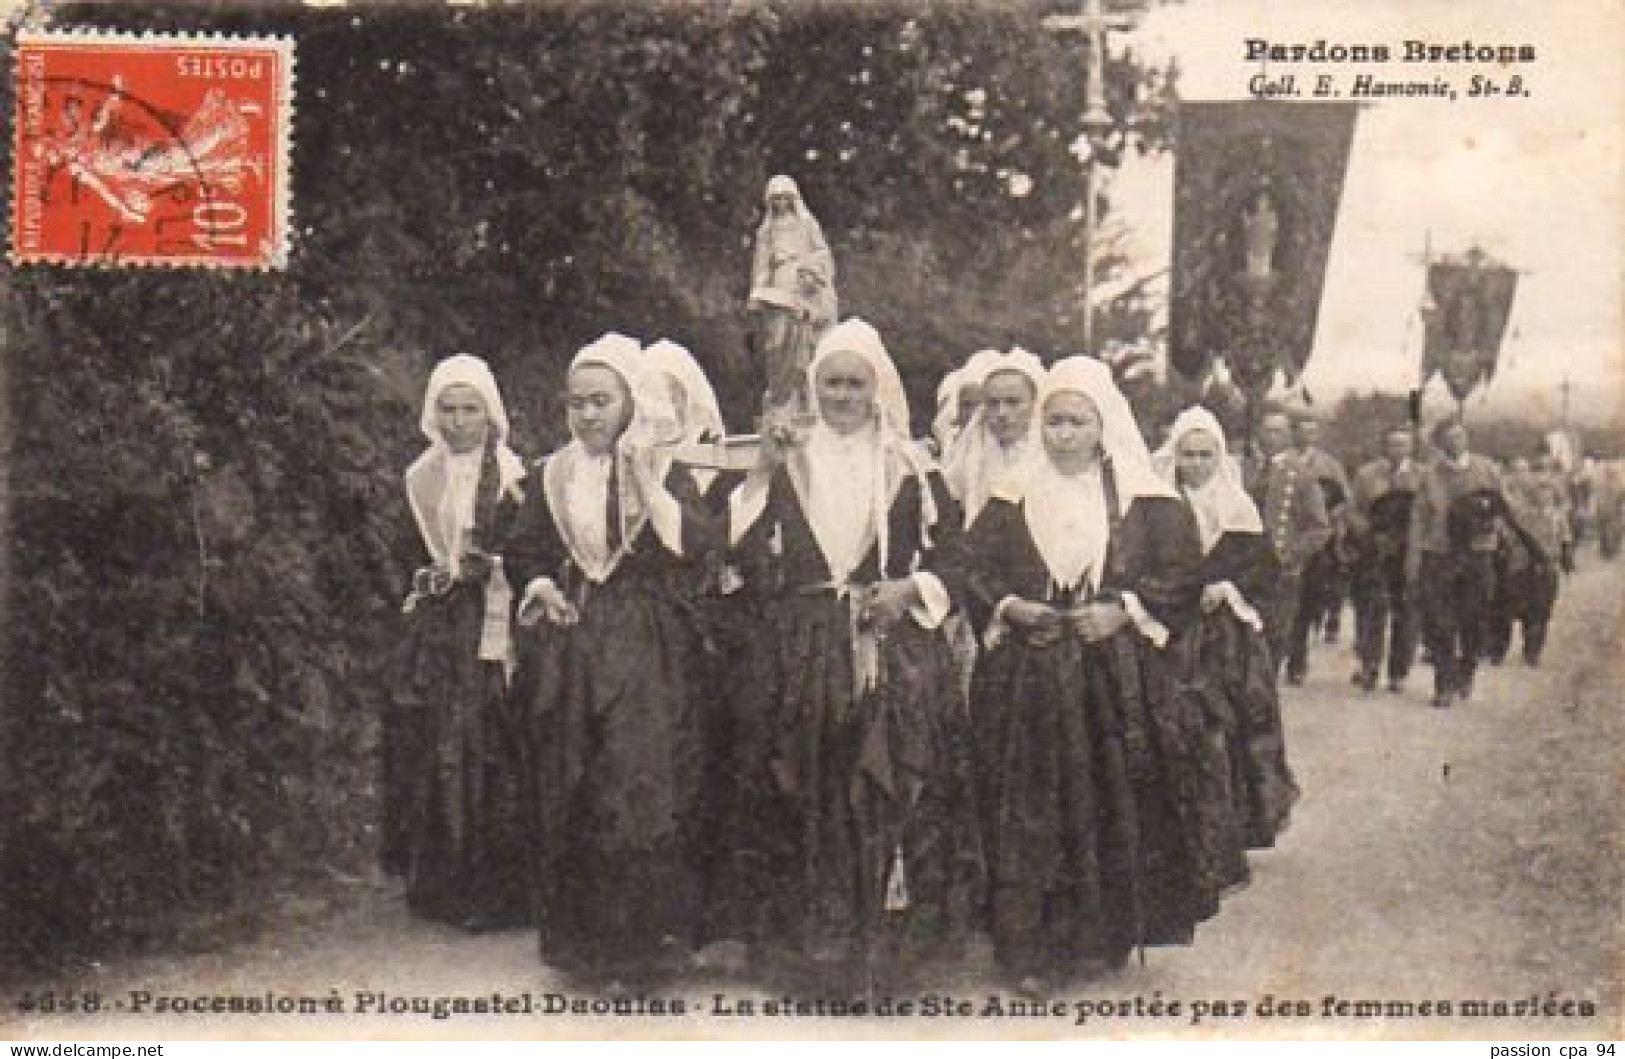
x=1094 y=25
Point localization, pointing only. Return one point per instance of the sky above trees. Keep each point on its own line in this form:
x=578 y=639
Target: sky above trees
x=1536 y=181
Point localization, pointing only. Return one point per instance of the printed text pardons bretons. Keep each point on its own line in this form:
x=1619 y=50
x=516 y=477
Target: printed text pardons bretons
x=1261 y=49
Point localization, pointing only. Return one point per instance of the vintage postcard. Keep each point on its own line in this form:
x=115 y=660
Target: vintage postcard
x=1001 y=519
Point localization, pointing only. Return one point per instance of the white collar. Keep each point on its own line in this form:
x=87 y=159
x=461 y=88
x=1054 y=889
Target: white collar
x=841 y=495
x=834 y=442
x=1067 y=519
x=463 y=463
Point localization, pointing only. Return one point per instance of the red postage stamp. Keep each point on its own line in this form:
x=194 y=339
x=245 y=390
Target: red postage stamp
x=151 y=150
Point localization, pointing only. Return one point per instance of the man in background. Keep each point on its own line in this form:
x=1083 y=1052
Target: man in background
x=1325 y=581
x=1449 y=565
x=1295 y=518
x=1378 y=525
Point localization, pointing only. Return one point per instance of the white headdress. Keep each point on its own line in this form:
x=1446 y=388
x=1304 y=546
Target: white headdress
x=1066 y=514
x=1121 y=441
x=703 y=414
x=895 y=451
x=973 y=467
x=1222 y=504
x=442 y=490
x=653 y=426
x=427 y=479
x=971 y=373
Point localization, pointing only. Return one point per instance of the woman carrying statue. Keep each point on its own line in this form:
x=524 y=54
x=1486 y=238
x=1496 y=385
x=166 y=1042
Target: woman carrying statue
x=606 y=549
x=724 y=624
x=858 y=779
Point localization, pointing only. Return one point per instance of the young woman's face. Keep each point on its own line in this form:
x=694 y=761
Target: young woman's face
x=1071 y=427
x=1196 y=458
x=1008 y=397
x=599 y=407
x=846 y=392
x=461 y=418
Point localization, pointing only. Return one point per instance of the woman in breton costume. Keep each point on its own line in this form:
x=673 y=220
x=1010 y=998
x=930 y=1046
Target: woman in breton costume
x=959 y=395
x=451 y=800
x=694 y=402
x=724 y=627
x=1002 y=434
x=999 y=438
x=861 y=785
x=1225 y=658
x=608 y=544
x=1077 y=576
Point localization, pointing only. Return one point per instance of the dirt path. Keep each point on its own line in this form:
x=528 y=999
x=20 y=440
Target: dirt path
x=1469 y=855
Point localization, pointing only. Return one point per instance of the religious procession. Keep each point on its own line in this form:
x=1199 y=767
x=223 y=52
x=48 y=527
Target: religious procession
x=842 y=701
x=693 y=505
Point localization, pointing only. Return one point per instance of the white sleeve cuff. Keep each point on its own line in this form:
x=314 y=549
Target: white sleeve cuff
x=934 y=604
x=536 y=584
x=1149 y=627
x=745 y=505
x=666 y=516
x=997 y=628
x=1240 y=607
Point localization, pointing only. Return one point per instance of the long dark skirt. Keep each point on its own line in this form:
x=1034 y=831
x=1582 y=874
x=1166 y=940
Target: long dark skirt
x=615 y=767
x=735 y=904
x=864 y=831
x=1091 y=778
x=1227 y=667
x=452 y=818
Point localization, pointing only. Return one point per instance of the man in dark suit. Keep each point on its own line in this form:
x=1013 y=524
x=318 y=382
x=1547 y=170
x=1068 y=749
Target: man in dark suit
x=1325 y=579
x=1378 y=522
x=1450 y=563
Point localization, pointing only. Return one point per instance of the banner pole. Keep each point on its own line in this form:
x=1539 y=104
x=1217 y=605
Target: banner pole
x=1422 y=354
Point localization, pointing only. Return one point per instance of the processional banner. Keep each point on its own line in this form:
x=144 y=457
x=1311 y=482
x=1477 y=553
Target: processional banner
x=1256 y=191
x=1465 y=319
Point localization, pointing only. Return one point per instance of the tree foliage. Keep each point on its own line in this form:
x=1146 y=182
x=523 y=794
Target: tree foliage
x=207 y=541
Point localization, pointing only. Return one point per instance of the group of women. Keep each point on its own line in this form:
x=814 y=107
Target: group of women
x=850 y=712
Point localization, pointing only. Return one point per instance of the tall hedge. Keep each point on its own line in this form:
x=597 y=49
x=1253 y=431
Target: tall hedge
x=206 y=541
